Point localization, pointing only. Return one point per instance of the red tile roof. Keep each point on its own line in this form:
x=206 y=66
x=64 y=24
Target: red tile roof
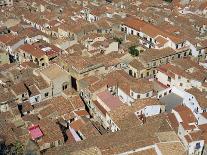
x=30 y=49
x=185 y=113
x=112 y=102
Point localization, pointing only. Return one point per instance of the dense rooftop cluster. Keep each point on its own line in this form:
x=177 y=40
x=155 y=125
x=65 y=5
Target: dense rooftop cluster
x=103 y=77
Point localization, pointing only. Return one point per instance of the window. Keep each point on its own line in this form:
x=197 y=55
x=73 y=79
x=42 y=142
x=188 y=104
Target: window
x=46 y=94
x=138 y=96
x=147 y=95
x=169 y=79
x=37 y=99
x=176 y=46
x=65 y=87
x=132 y=93
x=135 y=75
x=132 y=32
x=181 y=84
x=59 y=142
x=179 y=77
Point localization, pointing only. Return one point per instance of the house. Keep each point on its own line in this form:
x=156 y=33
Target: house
x=120 y=84
x=150 y=35
x=46 y=133
x=29 y=52
x=153 y=58
x=156 y=135
x=51 y=51
x=192 y=98
x=105 y=47
x=39 y=89
x=78 y=67
x=136 y=69
x=25 y=108
x=4 y=41
x=105 y=103
x=83 y=129
x=62 y=107
x=20 y=91
x=188 y=130
x=183 y=73
x=106 y=109
x=96 y=14
x=55 y=76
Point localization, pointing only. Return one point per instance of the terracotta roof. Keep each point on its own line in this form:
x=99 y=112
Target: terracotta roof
x=185 y=113
x=173 y=121
x=172 y=148
x=51 y=131
x=30 y=49
x=119 y=142
x=134 y=23
x=154 y=54
x=82 y=113
x=142 y=86
x=77 y=124
x=19 y=88
x=112 y=102
x=136 y=64
x=26 y=106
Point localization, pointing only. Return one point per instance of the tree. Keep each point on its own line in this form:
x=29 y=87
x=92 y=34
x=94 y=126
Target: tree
x=169 y=1
x=119 y=40
x=133 y=51
x=19 y=148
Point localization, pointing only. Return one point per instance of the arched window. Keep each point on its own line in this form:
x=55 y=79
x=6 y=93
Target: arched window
x=65 y=85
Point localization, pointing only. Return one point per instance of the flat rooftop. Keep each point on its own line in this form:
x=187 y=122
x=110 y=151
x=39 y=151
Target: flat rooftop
x=170 y=101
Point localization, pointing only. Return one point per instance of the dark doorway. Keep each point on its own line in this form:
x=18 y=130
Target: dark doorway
x=130 y=72
x=74 y=83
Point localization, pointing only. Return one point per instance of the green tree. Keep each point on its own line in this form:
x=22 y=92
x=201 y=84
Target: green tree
x=119 y=40
x=133 y=51
x=169 y=1
x=19 y=148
